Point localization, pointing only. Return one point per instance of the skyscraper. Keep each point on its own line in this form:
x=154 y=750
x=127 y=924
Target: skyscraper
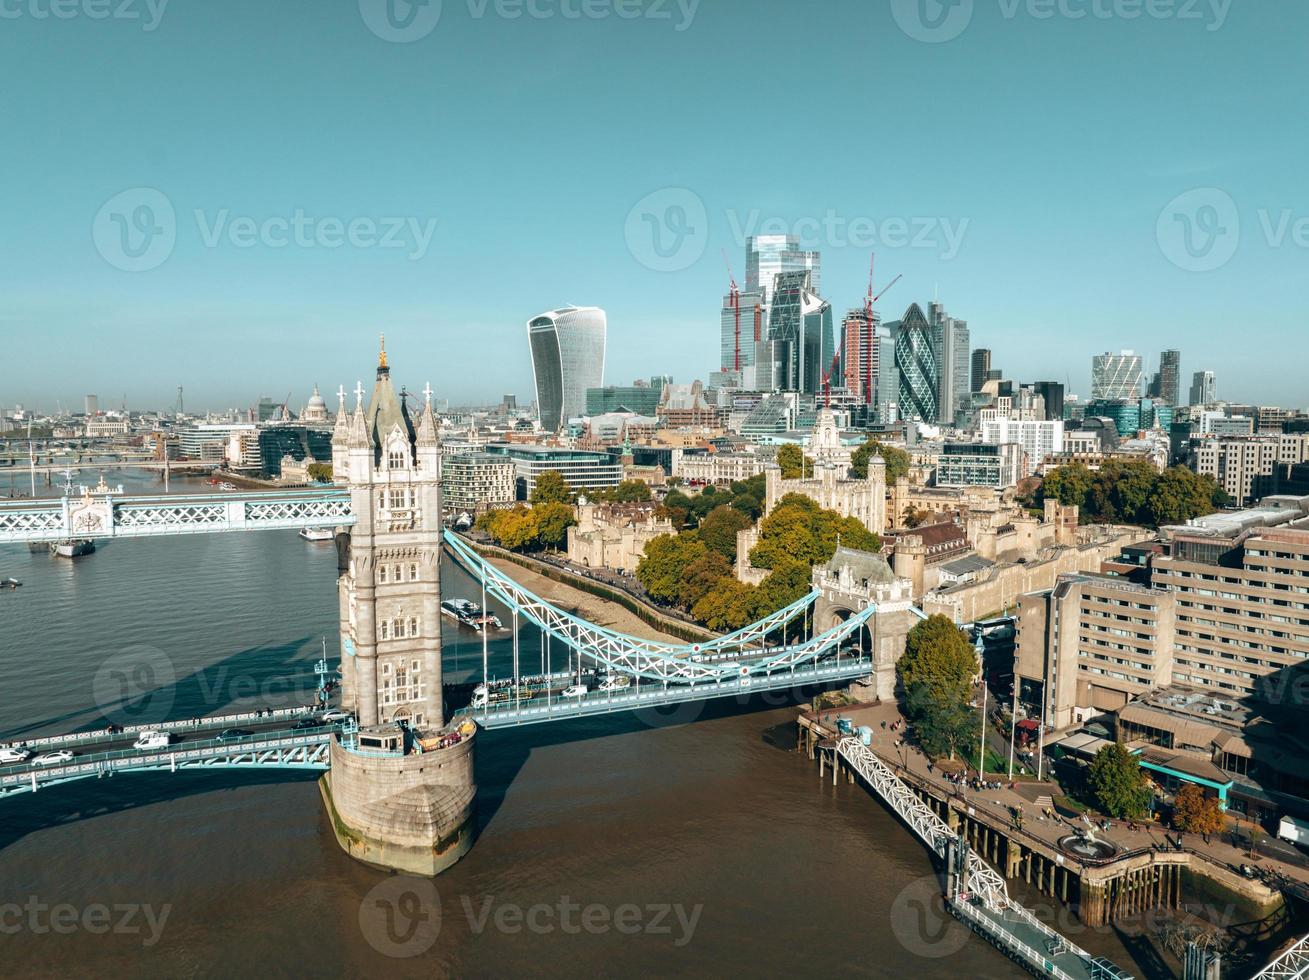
x=981 y=368
x=92 y=404
x=1053 y=394
x=800 y=330
x=768 y=256
x=744 y=312
x=950 y=340
x=860 y=354
x=1170 y=377
x=915 y=362
x=746 y=316
x=1116 y=377
x=568 y=356
x=1204 y=388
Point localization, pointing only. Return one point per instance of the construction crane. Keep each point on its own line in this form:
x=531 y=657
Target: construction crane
x=734 y=298
x=868 y=328
x=827 y=380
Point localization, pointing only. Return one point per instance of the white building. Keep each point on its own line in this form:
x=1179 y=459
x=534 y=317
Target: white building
x=477 y=481
x=1039 y=439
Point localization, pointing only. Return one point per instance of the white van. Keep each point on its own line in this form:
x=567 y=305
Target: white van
x=576 y=691
x=150 y=739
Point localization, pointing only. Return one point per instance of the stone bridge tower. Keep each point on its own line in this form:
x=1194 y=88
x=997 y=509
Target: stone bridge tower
x=402 y=796
x=854 y=580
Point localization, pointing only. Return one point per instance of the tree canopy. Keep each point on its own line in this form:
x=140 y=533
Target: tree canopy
x=1133 y=492
x=799 y=530
x=793 y=462
x=938 y=658
x=719 y=528
x=943 y=728
x=627 y=492
x=551 y=488
x=663 y=565
x=896 y=459
x=1196 y=811
x=529 y=529
x=1118 y=782
x=322 y=472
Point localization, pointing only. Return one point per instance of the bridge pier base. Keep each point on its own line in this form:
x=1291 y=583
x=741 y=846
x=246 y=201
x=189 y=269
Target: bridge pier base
x=411 y=813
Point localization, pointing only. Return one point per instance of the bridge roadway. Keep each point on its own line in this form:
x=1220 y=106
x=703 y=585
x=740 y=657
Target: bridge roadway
x=511 y=713
x=272 y=745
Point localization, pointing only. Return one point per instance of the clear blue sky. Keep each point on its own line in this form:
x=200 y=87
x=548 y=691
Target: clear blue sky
x=1059 y=141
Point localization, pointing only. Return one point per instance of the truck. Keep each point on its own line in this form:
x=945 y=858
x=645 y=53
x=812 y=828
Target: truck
x=152 y=739
x=1295 y=830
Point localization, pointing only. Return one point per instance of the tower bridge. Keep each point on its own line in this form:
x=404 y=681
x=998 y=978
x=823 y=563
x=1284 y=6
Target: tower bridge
x=398 y=776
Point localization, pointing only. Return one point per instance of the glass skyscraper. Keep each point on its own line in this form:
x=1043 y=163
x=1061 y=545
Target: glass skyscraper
x=801 y=333
x=1116 y=377
x=768 y=256
x=915 y=362
x=953 y=363
x=568 y=357
x=1170 y=377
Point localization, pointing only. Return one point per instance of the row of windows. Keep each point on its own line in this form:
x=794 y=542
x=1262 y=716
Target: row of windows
x=1227 y=671
x=396 y=573
x=398 y=629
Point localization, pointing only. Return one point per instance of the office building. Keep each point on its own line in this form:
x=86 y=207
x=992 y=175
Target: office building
x=769 y=256
x=1125 y=413
x=280 y=443
x=1116 y=377
x=568 y=356
x=975 y=464
x=639 y=398
x=742 y=333
x=1204 y=388
x=800 y=329
x=1039 y=439
x=980 y=369
x=860 y=354
x=91 y=404
x=1244 y=466
x=1170 y=378
x=478 y=481
x=1091 y=644
x=916 y=367
x=99 y=428
x=1052 y=393
x=581 y=469
x=950 y=338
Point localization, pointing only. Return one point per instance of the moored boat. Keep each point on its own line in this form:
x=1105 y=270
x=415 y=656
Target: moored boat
x=318 y=533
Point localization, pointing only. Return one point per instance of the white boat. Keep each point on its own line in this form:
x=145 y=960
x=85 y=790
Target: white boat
x=318 y=533
x=467 y=613
x=73 y=548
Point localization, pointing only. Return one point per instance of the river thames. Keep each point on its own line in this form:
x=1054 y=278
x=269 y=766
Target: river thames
x=620 y=846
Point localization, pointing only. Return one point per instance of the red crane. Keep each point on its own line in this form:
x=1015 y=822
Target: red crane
x=734 y=298
x=868 y=328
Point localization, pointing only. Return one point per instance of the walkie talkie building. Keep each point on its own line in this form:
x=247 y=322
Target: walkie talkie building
x=568 y=356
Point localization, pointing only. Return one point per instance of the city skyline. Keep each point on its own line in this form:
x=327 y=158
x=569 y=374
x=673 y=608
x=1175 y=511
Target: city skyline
x=1070 y=255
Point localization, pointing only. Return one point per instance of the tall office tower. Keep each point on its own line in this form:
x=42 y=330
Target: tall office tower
x=950 y=344
x=800 y=330
x=742 y=333
x=568 y=356
x=916 y=370
x=1116 y=377
x=981 y=368
x=1204 y=388
x=1170 y=377
x=860 y=350
x=1053 y=393
x=92 y=404
x=768 y=256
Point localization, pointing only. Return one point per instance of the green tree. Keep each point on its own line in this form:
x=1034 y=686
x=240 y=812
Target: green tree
x=786 y=583
x=719 y=528
x=793 y=462
x=701 y=577
x=552 y=524
x=1068 y=484
x=322 y=472
x=799 y=530
x=728 y=606
x=664 y=563
x=1116 y=779
x=939 y=658
x=631 y=491
x=896 y=460
x=749 y=505
x=943 y=728
x=913 y=517
x=551 y=488
x=514 y=529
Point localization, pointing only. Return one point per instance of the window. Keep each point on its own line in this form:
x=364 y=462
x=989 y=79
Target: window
x=396 y=459
x=382 y=571
x=384 y=630
x=413 y=626
x=413 y=571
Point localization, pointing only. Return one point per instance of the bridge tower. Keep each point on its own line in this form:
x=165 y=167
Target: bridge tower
x=401 y=793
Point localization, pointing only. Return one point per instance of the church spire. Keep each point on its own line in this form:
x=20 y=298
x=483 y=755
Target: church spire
x=381 y=356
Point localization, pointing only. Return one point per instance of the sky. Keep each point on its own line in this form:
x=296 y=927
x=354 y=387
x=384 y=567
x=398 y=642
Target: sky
x=239 y=196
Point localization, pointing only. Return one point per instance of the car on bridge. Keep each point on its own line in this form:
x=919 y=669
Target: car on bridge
x=14 y=755
x=336 y=714
x=56 y=758
x=152 y=739
x=232 y=734
x=576 y=691
x=305 y=723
